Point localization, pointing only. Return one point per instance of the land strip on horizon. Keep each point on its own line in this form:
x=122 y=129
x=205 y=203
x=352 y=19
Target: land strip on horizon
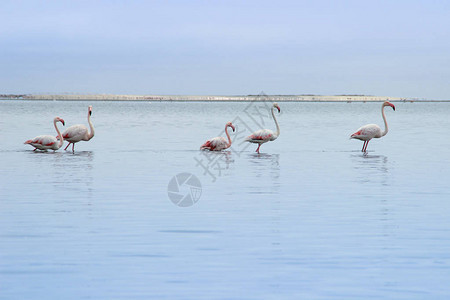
x=212 y=98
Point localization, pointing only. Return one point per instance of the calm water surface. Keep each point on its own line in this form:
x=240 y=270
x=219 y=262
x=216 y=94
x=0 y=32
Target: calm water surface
x=308 y=218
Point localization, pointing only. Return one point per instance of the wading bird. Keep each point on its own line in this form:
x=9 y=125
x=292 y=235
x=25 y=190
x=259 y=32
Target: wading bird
x=219 y=143
x=370 y=131
x=265 y=135
x=79 y=132
x=48 y=142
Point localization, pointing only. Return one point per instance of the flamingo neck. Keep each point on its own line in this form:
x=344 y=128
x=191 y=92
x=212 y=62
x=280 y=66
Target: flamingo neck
x=61 y=139
x=276 y=122
x=228 y=135
x=92 y=131
x=386 y=129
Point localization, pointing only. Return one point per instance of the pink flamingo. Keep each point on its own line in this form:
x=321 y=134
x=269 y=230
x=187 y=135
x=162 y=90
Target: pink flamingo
x=265 y=135
x=370 y=131
x=79 y=132
x=219 y=143
x=45 y=142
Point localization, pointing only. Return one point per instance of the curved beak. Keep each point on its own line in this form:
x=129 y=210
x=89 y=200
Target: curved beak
x=232 y=127
x=62 y=121
x=279 y=110
x=90 y=110
x=393 y=106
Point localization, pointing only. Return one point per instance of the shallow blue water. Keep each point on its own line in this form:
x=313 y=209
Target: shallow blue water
x=308 y=218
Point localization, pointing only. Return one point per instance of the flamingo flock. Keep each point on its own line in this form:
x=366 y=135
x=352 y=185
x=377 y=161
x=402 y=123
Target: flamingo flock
x=79 y=132
x=73 y=134
x=364 y=133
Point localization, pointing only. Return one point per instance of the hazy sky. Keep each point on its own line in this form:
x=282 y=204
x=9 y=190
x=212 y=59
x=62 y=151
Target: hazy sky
x=385 y=48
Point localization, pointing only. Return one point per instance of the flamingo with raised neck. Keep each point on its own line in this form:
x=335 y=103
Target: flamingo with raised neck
x=265 y=135
x=79 y=132
x=370 y=131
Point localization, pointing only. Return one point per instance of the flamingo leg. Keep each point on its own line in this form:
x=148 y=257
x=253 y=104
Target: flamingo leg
x=73 y=145
x=365 y=148
x=257 y=149
x=67 y=146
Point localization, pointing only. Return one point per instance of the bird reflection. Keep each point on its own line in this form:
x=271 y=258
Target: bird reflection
x=373 y=173
x=375 y=167
x=215 y=163
x=73 y=172
x=266 y=164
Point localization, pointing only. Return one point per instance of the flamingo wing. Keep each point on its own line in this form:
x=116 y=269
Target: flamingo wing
x=219 y=143
x=261 y=136
x=35 y=140
x=75 y=133
x=206 y=145
x=215 y=144
x=367 y=132
x=43 y=142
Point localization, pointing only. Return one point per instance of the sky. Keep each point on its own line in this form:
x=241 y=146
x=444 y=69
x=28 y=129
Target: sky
x=236 y=47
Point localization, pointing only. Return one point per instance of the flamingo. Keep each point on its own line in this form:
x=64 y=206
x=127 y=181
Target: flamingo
x=219 y=143
x=79 y=132
x=370 y=131
x=45 y=142
x=265 y=135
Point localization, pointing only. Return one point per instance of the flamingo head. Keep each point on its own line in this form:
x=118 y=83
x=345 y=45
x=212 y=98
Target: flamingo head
x=277 y=106
x=231 y=125
x=58 y=119
x=387 y=103
x=90 y=110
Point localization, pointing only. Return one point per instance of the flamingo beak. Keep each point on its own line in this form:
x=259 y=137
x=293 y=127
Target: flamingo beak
x=232 y=127
x=62 y=121
x=393 y=107
x=279 y=110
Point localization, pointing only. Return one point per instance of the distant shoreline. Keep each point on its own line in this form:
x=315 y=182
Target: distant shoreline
x=210 y=98
x=226 y=101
